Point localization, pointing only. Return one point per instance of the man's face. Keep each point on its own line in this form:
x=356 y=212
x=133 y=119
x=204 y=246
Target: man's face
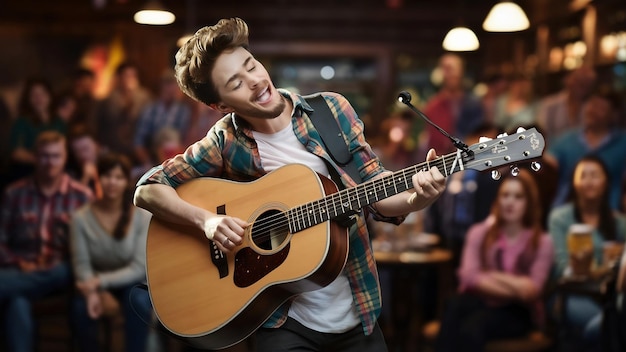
x=84 y=149
x=84 y=86
x=51 y=160
x=169 y=91
x=452 y=70
x=580 y=83
x=40 y=98
x=244 y=86
x=128 y=79
x=597 y=113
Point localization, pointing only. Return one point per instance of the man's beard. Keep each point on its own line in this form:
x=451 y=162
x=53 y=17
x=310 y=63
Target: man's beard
x=264 y=114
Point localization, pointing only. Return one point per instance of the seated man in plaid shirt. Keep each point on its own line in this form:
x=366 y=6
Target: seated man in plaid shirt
x=34 y=238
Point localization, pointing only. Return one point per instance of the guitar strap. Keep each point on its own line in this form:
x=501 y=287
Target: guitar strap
x=326 y=124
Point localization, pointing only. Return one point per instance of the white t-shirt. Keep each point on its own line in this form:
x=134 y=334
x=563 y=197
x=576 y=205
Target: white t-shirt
x=329 y=309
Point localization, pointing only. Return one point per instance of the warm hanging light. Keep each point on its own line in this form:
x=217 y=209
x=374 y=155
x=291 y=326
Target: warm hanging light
x=155 y=14
x=506 y=16
x=460 y=39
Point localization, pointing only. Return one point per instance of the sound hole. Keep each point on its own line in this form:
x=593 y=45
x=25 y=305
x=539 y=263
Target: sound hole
x=270 y=230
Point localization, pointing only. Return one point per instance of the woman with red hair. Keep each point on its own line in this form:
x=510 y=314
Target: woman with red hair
x=505 y=262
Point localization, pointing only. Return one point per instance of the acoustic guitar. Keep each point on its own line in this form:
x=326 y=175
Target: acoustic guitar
x=214 y=300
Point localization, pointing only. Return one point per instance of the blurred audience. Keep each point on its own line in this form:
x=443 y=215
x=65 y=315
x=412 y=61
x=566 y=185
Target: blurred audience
x=108 y=239
x=622 y=201
x=83 y=88
x=497 y=85
x=398 y=146
x=564 y=110
x=83 y=155
x=117 y=114
x=34 y=116
x=34 y=238
x=517 y=107
x=65 y=108
x=506 y=262
x=588 y=204
x=5 y=120
x=453 y=108
x=596 y=134
x=202 y=118
x=614 y=314
x=169 y=111
x=167 y=143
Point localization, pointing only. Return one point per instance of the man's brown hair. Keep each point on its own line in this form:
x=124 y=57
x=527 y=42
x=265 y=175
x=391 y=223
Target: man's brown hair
x=195 y=59
x=46 y=138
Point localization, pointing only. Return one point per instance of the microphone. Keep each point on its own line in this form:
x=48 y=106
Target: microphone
x=405 y=98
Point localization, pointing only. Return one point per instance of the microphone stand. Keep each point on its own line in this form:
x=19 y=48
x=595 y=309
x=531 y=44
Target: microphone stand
x=405 y=98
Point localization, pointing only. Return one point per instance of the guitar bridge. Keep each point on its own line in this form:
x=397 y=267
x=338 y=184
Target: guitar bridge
x=217 y=256
x=219 y=260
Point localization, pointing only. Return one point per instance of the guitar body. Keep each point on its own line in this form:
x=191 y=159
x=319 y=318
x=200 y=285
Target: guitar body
x=214 y=300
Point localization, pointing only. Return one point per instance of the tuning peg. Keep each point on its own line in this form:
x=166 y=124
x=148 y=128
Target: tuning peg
x=503 y=135
x=535 y=166
x=496 y=175
x=514 y=170
x=520 y=129
x=484 y=139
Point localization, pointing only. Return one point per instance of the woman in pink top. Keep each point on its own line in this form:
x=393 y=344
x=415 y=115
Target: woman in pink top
x=505 y=262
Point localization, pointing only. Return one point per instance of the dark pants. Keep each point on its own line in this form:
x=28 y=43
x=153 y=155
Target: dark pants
x=468 y=324
x=137 y=315
x=293 y=336
x=17 y=291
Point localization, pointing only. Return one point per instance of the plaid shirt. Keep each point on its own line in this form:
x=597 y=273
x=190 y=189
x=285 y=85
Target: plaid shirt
x=229 y=151
x=34 y=227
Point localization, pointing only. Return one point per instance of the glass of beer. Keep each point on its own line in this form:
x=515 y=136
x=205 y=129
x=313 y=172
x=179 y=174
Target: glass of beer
x=580 y=248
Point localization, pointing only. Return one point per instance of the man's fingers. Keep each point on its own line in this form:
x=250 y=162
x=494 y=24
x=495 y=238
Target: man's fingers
x=426 y=184
x=438 y=178
x=241 y=223
x=432 y=155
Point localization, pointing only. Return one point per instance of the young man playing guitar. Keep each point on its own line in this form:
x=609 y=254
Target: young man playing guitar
x=263 y=129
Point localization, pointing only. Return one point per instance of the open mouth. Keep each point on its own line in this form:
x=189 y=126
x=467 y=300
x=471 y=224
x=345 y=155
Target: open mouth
x=264 y=97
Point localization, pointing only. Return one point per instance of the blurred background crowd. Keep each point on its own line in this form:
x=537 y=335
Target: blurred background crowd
x=89 y=102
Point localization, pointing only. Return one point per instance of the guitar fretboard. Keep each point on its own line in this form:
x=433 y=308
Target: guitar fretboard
x=352 y=200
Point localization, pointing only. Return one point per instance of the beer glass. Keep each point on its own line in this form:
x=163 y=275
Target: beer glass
x=580 y=248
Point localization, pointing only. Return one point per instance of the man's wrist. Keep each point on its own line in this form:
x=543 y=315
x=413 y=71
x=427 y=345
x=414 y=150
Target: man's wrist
x=412 y=199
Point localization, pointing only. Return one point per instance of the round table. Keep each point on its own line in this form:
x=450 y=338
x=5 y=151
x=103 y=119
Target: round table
x=422 y=257
x=403 y=330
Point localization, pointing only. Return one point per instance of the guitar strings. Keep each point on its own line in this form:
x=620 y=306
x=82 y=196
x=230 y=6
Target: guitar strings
x=300 y=213
x=280 y=221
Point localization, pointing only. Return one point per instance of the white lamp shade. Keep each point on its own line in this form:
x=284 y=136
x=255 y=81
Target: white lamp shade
x=155 y=14
x=460 y=39
x=506 y=16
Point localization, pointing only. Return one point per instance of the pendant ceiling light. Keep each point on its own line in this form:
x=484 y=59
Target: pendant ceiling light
x=460 y=39
x=154 y=14
x=506 y=16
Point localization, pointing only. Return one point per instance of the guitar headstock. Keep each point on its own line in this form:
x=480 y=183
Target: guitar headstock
x=504 y=150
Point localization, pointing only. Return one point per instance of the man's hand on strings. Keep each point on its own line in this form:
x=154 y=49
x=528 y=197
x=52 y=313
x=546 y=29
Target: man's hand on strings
x=226 y=231
x=427 y=185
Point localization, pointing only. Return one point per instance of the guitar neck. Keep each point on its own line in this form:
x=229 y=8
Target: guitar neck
x=351 y=200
